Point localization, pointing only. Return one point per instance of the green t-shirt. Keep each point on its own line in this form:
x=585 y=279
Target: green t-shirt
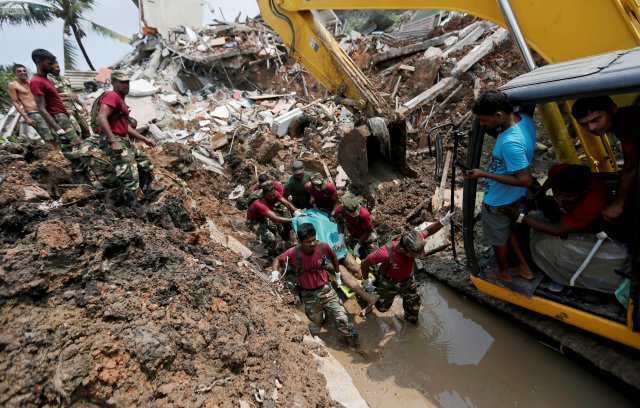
x=295 y=187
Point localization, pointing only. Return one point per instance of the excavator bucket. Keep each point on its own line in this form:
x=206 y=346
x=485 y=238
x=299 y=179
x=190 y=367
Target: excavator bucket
x=373 y=153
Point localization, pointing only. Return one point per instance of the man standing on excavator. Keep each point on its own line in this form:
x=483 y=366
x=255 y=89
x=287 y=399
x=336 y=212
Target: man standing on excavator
x=507 y=177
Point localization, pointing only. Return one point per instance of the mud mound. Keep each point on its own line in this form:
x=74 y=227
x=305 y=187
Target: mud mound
x=102 y=305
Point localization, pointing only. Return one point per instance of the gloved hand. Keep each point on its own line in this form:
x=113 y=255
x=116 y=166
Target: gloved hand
x=368 y=286
x=297 y=213
x=447 y=218
x=356 y=251
x=340 y=243
x=275 y=276
x=338 y=279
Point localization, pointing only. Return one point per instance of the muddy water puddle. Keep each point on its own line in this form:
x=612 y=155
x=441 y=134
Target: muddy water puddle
x=462 y=355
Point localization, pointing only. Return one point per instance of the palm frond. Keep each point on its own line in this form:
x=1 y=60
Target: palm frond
x=107 y=32
x=70 y=53
x=76 y=11
x=31 y=13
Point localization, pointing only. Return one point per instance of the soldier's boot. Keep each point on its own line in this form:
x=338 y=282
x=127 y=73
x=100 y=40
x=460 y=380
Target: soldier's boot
x=130 y=199
x=146 y=178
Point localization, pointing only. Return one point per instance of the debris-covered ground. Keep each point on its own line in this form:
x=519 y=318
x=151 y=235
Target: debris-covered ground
x=166 y=305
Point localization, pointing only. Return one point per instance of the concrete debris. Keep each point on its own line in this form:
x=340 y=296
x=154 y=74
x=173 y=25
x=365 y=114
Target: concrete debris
x=142 y=87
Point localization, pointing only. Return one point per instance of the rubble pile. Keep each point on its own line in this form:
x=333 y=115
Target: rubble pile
x=168 y=304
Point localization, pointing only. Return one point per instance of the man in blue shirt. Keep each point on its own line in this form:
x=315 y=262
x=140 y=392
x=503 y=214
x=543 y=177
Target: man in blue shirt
x=508 y=176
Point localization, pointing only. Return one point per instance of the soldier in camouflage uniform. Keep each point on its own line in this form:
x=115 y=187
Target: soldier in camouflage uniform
x=397 y=259
x=306 y=261
x=71 y=102
x=53 y=111
x=262 y=219
x=132 y=166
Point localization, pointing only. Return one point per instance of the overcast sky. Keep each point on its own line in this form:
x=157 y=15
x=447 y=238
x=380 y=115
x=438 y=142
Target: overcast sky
x=118 y=15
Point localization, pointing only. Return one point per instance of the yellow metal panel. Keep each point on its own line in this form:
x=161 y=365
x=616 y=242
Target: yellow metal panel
x=591 y=323
x=558 y=30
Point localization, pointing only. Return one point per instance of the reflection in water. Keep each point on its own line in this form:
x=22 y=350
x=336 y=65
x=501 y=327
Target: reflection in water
x=461 y=355
x=461 y=340
x=454 y=400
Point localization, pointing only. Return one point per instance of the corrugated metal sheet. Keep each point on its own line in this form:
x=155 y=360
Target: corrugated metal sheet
x=78 y=78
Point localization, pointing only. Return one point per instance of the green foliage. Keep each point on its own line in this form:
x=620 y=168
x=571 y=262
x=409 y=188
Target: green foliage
x=397 y=21
x=6 y=76
x=72 y=13
x=354 y=24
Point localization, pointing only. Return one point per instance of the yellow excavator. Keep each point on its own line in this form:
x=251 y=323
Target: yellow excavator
x=558 y=30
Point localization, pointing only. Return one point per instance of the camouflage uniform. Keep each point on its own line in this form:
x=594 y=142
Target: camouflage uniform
x=388 y=289
x=101 y=170
x=324 y=301
x=63 y=86
x=142 y=161
x=41 y=126
x=266 y=231
x=124 y=163
x=69 y=143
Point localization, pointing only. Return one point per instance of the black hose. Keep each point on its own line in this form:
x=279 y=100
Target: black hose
x=288 y=20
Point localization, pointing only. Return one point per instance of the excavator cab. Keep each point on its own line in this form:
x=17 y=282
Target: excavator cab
x=611 y=315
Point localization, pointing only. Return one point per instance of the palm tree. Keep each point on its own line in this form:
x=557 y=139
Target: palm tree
x=71 y=12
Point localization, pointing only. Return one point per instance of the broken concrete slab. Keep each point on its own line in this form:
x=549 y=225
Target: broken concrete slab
x=169 y=98
x=34 y=194
x=218 y=140
x=142 y=87
x=221 y=112
x=280 y=125
x=237 y=247
x=217 y=236
x=142 y=109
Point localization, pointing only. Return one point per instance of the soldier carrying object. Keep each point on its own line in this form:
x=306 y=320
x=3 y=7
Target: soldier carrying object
x=396 y=273
x=307 y=261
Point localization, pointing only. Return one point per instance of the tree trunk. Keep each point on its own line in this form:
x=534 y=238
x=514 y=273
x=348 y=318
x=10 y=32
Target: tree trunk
x=84 y=52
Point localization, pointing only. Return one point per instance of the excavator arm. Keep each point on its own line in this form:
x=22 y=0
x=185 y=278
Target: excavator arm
x=557 y=30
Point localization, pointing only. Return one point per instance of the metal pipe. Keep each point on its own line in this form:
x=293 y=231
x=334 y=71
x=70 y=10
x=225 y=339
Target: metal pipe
x=514 y=28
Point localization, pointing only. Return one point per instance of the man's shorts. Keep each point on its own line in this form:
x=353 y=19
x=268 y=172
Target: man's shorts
x=40 y=125
x=495 y=226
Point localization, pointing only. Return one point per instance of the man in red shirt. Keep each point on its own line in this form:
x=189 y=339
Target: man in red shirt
x=357 y=219
x=133 y=168
x=265 y=177
x=600 y=115
x=397 y=258
x=307 y=262
x=263 y=220
x=561 y=239
x=52 y=109
x=324 y=195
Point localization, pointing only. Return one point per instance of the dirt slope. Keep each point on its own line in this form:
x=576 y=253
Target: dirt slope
x=105 y=306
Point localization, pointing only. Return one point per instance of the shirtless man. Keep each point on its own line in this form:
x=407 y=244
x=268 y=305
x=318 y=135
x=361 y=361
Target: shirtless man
x=25 y=104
